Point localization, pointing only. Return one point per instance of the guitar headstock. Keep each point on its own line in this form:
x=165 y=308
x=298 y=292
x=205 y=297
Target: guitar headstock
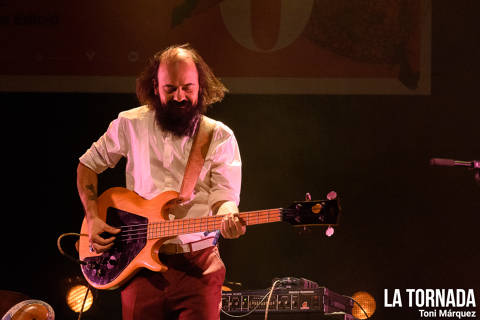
x=313 y=212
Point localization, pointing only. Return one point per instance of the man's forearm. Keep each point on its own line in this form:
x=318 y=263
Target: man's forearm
x=87 y=182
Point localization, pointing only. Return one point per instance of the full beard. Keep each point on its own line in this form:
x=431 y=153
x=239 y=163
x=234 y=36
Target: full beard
x=178 y=118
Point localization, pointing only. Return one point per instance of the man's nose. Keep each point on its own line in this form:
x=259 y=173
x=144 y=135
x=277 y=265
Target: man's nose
x=179 y=95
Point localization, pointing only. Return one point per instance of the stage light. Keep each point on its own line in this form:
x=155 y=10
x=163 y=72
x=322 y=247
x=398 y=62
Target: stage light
x=25 y=309
x=367 y=302
x=76 y=296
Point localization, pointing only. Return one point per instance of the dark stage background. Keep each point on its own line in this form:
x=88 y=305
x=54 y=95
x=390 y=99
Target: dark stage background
x=404 y=225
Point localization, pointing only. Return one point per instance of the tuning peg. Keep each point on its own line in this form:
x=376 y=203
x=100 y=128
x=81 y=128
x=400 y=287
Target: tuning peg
x=329 y=232
x=308 y=197
x=332 y=195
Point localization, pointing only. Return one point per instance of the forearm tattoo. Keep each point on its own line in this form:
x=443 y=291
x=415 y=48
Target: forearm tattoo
x=92 y=195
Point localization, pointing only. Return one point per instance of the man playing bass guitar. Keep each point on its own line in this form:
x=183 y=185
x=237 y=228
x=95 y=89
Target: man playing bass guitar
x=175 y=90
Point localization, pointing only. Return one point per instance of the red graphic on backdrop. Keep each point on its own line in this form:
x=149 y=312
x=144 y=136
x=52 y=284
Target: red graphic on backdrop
x=239 y=39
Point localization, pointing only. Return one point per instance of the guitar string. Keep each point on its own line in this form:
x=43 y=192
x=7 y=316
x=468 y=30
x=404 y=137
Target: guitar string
x=165 y=228
x=174 y=230
x=201 y=219
x=181 y=224
x=241 y=213
x=194 y=221
x=144 y=235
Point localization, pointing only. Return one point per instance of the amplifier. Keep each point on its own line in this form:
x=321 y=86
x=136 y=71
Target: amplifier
x=318 y=300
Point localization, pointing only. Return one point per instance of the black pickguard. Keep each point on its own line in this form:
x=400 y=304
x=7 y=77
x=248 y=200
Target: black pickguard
x=129 y=242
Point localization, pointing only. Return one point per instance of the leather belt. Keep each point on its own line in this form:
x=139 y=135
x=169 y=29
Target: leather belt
x=174 y=248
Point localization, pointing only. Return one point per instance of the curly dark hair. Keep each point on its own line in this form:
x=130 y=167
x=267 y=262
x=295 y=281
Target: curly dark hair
x=211 y=89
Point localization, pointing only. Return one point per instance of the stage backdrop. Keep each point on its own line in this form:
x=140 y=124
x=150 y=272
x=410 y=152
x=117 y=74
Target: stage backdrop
x=266 y=47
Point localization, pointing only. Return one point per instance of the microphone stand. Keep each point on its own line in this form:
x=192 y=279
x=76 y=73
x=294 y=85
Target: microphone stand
x=472 y=165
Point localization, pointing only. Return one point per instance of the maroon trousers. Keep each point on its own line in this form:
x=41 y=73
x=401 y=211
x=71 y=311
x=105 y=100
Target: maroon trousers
x=191 y=288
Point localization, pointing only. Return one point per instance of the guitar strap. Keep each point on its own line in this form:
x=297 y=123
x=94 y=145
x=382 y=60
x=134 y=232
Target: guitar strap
x=196 y=159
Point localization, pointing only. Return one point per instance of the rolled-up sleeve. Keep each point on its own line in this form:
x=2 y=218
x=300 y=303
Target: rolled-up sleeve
x=226 y=169
x=108 y=150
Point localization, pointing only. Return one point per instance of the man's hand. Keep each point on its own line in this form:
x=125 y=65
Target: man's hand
x=96 y=227
x=232 y=226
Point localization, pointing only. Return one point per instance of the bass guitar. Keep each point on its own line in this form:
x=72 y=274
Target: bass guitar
x=145 y=227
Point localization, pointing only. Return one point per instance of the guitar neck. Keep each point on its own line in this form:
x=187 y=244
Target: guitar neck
x=211 y=223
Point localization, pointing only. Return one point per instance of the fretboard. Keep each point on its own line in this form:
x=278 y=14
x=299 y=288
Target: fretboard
x=184 y=226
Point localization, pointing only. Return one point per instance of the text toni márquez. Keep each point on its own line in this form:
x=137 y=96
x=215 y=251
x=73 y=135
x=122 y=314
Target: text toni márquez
x=434 y=303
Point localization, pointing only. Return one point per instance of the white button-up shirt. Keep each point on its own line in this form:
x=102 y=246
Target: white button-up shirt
x=156 y=162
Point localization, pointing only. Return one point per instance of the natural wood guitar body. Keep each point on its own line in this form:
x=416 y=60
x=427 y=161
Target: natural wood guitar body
x=125 y=200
